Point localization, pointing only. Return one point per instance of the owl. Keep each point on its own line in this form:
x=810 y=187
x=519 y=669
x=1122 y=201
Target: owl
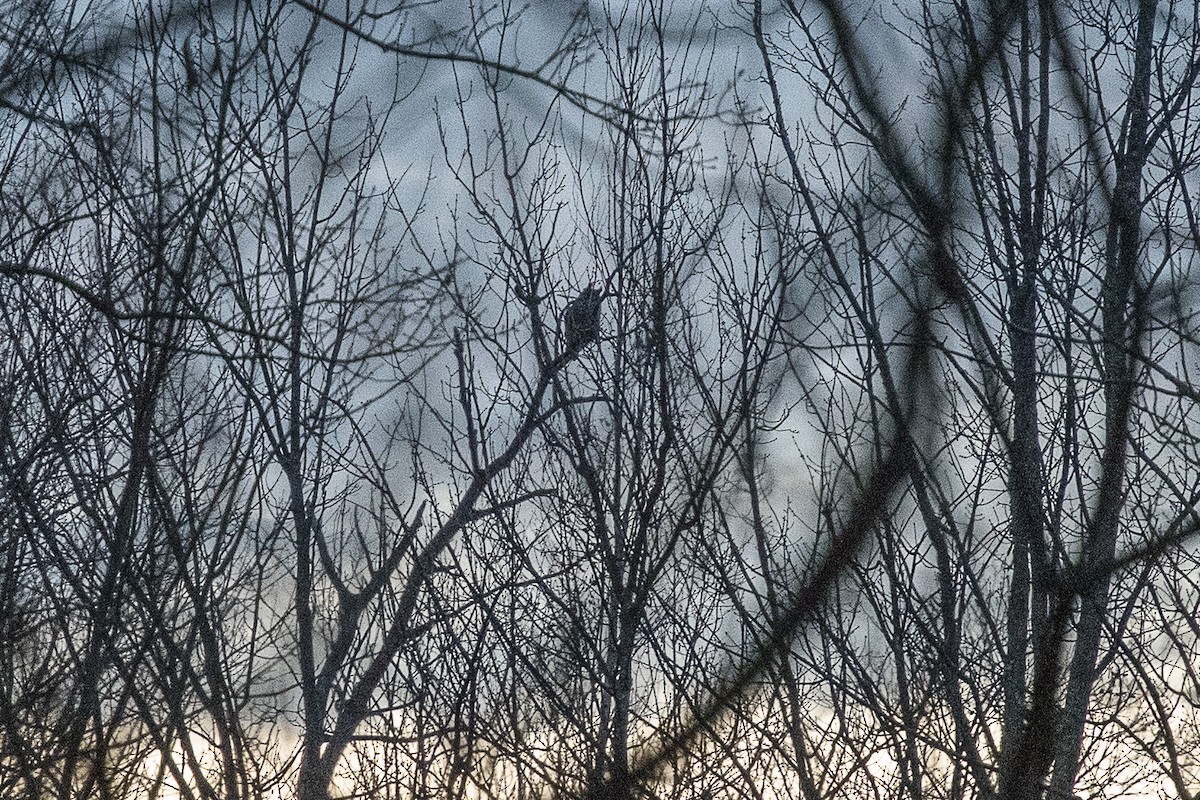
x=581 y=319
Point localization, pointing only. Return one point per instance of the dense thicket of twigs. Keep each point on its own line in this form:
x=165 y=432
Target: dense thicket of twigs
x=612 y=401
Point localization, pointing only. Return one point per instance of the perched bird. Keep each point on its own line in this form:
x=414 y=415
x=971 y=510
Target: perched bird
x=581 y=319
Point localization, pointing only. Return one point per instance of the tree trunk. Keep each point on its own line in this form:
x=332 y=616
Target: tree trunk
x=1120 y=268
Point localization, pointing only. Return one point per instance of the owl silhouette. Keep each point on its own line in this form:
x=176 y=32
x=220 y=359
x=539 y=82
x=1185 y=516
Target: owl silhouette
x=581 y=319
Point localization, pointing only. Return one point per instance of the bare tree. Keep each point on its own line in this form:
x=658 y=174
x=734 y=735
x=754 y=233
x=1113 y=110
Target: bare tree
x=601 y=432
x=1046 y=348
